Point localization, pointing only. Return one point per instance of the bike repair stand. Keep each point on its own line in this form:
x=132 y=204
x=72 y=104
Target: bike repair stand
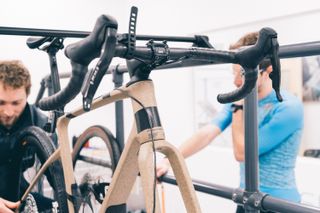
x=251 y=196
x=117 y=78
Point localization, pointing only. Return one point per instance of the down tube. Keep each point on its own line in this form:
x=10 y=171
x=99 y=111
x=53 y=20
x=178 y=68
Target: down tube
x=63 y=136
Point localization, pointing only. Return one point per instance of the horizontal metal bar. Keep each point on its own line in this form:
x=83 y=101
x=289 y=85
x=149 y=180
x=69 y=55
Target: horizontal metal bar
x=268 y=203
x=299 y=50
x=19 y=31
x=278 y=205
x=208 y=188
x=95 y=161
x=167 y=38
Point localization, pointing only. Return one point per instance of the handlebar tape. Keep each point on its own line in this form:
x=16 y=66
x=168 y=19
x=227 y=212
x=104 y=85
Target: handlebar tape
x=250 y=78
x=61 y=98
x=81 y=54
x=84 y=51
x=249 y=59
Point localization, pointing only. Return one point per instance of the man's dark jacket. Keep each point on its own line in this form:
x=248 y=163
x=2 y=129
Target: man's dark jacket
x=31 y=116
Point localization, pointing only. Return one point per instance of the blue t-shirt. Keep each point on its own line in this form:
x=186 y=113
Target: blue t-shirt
x=279 y=136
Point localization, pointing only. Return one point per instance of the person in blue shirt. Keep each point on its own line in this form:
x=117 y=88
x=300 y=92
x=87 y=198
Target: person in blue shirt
x=280 y=127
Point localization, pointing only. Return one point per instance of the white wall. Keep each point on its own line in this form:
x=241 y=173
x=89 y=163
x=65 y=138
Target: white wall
x=224 y=21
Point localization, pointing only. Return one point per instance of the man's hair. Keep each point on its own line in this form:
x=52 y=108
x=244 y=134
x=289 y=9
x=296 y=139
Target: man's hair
x=247 y=40
x=15 y=75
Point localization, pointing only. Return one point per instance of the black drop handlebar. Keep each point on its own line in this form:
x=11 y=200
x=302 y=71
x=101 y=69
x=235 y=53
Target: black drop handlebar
x=266 y=46
x=103 y=42
x=81 y=54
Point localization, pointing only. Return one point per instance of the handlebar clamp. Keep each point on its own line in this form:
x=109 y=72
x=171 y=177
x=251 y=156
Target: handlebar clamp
x=160 y=52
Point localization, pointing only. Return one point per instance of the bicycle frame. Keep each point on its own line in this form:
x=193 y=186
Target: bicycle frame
x=137 y=155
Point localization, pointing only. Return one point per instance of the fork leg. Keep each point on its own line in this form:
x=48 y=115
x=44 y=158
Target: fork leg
x=182 y=175
x=146 y=168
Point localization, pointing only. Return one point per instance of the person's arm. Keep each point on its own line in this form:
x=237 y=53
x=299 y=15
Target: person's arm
x=194 y=144
x=7 y=206
x=238 y=135
x=201 y=138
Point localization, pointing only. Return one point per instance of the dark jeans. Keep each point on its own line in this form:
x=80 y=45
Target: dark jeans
x=240 y=209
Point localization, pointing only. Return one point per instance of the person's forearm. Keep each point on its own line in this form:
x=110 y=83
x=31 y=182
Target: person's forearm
x=194 y=144
x=199 y=140
x=238 y=135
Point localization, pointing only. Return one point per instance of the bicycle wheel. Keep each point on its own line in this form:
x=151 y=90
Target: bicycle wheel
x=33 y=149
x=95 y=156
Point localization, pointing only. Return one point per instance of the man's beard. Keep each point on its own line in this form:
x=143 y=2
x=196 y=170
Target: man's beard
x=8 y=122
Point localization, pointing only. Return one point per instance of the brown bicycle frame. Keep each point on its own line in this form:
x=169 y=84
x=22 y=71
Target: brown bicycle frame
x=136 y=157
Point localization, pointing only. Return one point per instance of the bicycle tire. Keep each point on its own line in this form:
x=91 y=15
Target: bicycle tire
x=103 y=133
x=95 y=162
x=36 y=139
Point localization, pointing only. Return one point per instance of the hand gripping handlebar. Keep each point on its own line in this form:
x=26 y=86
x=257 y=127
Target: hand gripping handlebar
x=81 y=54
x=266 y=46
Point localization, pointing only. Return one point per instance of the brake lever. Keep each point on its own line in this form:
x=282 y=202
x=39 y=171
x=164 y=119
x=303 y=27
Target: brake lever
x=94 y=77
x=275 y=75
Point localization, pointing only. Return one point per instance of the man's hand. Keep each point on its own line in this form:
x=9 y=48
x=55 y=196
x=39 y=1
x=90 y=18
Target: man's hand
x=239 y=102
x=163 y=167
x=7 y=206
